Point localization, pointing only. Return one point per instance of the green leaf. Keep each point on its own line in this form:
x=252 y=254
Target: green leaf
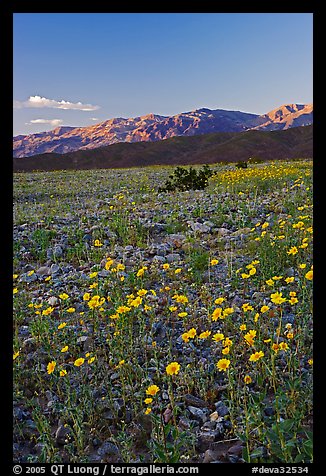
x=174 y=433
x=286 y=425
x=300 y=458
x=308 y=446
x=257 y=453
x=245 y=454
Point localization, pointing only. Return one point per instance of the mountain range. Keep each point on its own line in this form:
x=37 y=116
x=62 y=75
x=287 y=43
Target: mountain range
x=153 y=128
x=295 y=142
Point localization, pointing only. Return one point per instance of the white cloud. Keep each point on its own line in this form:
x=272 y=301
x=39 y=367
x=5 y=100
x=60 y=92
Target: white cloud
x=39 y=102
x=94 y=119
x=52 y=122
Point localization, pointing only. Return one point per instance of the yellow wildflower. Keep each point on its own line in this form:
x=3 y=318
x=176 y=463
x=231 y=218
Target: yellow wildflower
x=182 y=314
x=292 y=251
x=218 y=337
x=227 y=311
x=62 y=325
x=256 y=356
x=185 y=337
x=277 y=298
x=247 y=379
x=204 y=334
x=152 y=390
x=173 y=368
x=223 y=365
x=63 y=296
x=192 y=332
x=217 y=313
x=309 y=275
x=79 y=362
x=51 y=366
x=264 y=309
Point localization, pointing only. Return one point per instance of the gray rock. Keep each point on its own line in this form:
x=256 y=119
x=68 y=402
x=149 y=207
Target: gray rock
x=199 y=227
x=29 y=429
x=223 y=231
x=157 y=227
x=94 y=458
x=159 y=330
x=198 y=414
x=29 y=344
x=104 y=273
x=19 y=413
x=62 y=435
x=209 y=456
x=163 y=248
x=115 y=376
x=24 y=331
x=85 y=341
x=54 y=269
x=237 y=301
x=209 y=223
x=205 y=438
x=172 y=257
x=258 y=295
x=43 y=270
x=184 y=423
x=53 y=301
x=109 y=415
x=289 y=271
x=241 y=232
x=96 y=442
x=27 y=268
x=25 y=278
x=269 y=411
x=195 y=401
x=159 y=259
x=129 y=248
x=57 y=251
x=38 y=448
x=233 y=458
x=108 y=449
x=210 y=425
x=176 y=239
x=221 y=408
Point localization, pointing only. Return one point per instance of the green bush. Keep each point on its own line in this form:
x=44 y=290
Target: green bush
x=242 y=165
x=187 y=179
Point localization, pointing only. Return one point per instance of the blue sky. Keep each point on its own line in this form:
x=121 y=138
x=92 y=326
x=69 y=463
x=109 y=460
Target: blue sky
x=80 y=69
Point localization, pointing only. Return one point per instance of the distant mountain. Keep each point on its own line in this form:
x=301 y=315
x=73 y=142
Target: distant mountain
x=153 y=127
x=296 y=142
x=284 y=117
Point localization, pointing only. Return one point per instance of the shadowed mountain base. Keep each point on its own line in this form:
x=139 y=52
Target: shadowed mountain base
x=202 y=149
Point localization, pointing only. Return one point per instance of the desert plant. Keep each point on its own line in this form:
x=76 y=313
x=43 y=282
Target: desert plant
x=242 y=165
x=187 y=179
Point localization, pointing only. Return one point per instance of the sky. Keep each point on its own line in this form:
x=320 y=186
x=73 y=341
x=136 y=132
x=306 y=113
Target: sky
x=78 y=69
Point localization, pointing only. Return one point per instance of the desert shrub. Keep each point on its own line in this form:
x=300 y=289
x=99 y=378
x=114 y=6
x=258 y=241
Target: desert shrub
x=187 y=179
x=242 y=165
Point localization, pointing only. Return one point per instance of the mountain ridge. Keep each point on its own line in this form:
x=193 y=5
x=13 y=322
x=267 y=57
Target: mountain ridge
x=154 y=127
x=296 y=142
